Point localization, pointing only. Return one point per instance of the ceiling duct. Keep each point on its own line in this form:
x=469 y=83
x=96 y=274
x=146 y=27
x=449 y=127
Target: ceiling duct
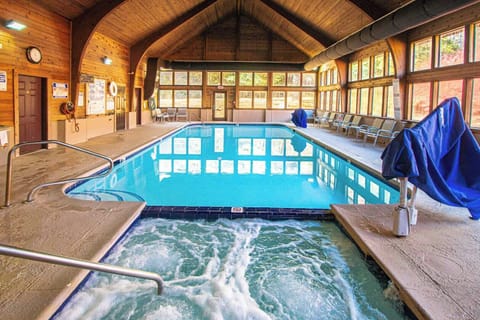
x=404 y=18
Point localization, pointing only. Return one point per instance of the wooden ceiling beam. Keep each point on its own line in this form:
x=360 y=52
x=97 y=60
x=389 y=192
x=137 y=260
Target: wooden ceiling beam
x=322 y=38
x=83 y=28
x=369 y=7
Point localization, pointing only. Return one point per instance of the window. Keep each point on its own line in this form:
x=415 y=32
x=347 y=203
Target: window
x=278 y=99
x=334 y=101
x=196 y=78
x=195 y=98
x=181 y=78
x=293 y=79
x=245 y=99
x=321 y=100
x=293 y=100
x=180 y=99
x=390 y=107
x=451 y=51
x=245 y=79
x=354 y=71
x=352 y=100
x=213 y=78
x=377 y=101
x=335 y=76
x=278 y=79
x=420 y=100
x=475 y=112
x=391 y=66
x=308 y=100
x=449 y=89
x=228 y=78
x=166 y=78
x=476 y=42
x=422 y=54
x=165 y=98
x=363 y=101
x=260 y=79
x=378 y=65
x=365 y=68
x=308 y=80
x=327 y=100
x=260 y=99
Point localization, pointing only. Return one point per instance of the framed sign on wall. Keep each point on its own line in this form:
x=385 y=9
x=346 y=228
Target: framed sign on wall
x=96 y=97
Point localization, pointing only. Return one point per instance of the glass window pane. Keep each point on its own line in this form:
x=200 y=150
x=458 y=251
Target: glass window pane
x=180 y=98
x=293 y=79
x=451 y=48
x=278 y=79
x=166 y=78
x=379 y=65
x=308 y=100
x=181 y=78
x=422 y=54
x=366 y=68
x=352 y=100
x=363 y=101
x=321 y=100
x=391 y=66
x=228 y=78
x=476 y=42
x=196 y=78
x=377 y=101
x=334 y=100
x=245 y=99
x=475 y=115
x=278 y=99
x=260 y=79
x=390 y=109
x=327 y=100
x=165 y=98
x=213 y=78
x=449 y=89
x=420 y=100
x=245 y=78
x=260 y=99
x=328 y=77
x=308 y=80
x=354 y=71
x=195 y=98
x=335 y=76
x=293 y=99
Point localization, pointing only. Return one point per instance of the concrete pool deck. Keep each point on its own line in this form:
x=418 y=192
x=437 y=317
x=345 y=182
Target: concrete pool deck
x=434 y=267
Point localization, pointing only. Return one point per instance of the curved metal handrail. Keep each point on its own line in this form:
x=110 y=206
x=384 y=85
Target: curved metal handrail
x=83 y=264
x=36 y=188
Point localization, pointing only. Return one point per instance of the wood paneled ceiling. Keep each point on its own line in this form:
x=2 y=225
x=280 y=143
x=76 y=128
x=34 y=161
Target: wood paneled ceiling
x=163 y=26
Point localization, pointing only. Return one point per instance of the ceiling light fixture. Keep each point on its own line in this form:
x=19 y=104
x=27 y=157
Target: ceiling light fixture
x=106 y=60
x=15 y=25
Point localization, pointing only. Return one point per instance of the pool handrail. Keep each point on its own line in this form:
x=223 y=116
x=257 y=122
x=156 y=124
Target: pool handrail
x=36 y=188
x=80 y=263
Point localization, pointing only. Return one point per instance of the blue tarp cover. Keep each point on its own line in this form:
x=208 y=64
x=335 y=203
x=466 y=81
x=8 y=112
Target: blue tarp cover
x=440 y=156
x=299 y=118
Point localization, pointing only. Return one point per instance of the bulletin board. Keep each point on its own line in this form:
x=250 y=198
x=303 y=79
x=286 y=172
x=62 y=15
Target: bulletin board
x=96 y=97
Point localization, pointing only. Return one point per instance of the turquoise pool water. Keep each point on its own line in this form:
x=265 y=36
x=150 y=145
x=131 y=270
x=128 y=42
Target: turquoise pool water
x=238 y=166
x=236 y=269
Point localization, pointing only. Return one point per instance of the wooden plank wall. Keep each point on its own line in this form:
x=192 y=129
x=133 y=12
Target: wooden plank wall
x=251 y=43
x=49 y=32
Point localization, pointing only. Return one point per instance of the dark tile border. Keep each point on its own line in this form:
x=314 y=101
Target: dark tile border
x=212 y=213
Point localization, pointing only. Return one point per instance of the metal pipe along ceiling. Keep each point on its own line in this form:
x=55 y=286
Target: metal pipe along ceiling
x=407 y=17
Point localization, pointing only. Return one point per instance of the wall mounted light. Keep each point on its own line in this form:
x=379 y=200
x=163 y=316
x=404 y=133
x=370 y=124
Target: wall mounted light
x=106 y=60
x=15 y=25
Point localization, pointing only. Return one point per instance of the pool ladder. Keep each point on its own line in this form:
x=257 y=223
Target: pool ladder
x=79 y=263
x=61 y=260
x=8 y=184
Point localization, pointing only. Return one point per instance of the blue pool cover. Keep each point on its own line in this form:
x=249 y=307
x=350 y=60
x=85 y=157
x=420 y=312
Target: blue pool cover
x=440 y=156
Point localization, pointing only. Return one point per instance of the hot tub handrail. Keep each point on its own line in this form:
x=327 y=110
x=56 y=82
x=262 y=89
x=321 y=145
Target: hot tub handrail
x=80 y=263
x=36 y=188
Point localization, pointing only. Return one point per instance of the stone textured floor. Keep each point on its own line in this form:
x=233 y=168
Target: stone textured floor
x=435 y=267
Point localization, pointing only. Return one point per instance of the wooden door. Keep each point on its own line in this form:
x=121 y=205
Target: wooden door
x=120 y=108
x=31 y=117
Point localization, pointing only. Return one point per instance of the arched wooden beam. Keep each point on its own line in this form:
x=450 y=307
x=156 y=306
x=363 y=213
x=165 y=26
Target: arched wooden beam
x=138 y=50
x=322 y=38
x=83 y=28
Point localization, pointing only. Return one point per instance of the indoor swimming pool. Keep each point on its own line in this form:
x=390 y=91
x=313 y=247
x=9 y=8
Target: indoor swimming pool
x=237 y=269
x=266 y=166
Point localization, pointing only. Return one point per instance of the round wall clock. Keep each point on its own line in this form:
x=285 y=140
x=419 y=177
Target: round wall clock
x=34 y=55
